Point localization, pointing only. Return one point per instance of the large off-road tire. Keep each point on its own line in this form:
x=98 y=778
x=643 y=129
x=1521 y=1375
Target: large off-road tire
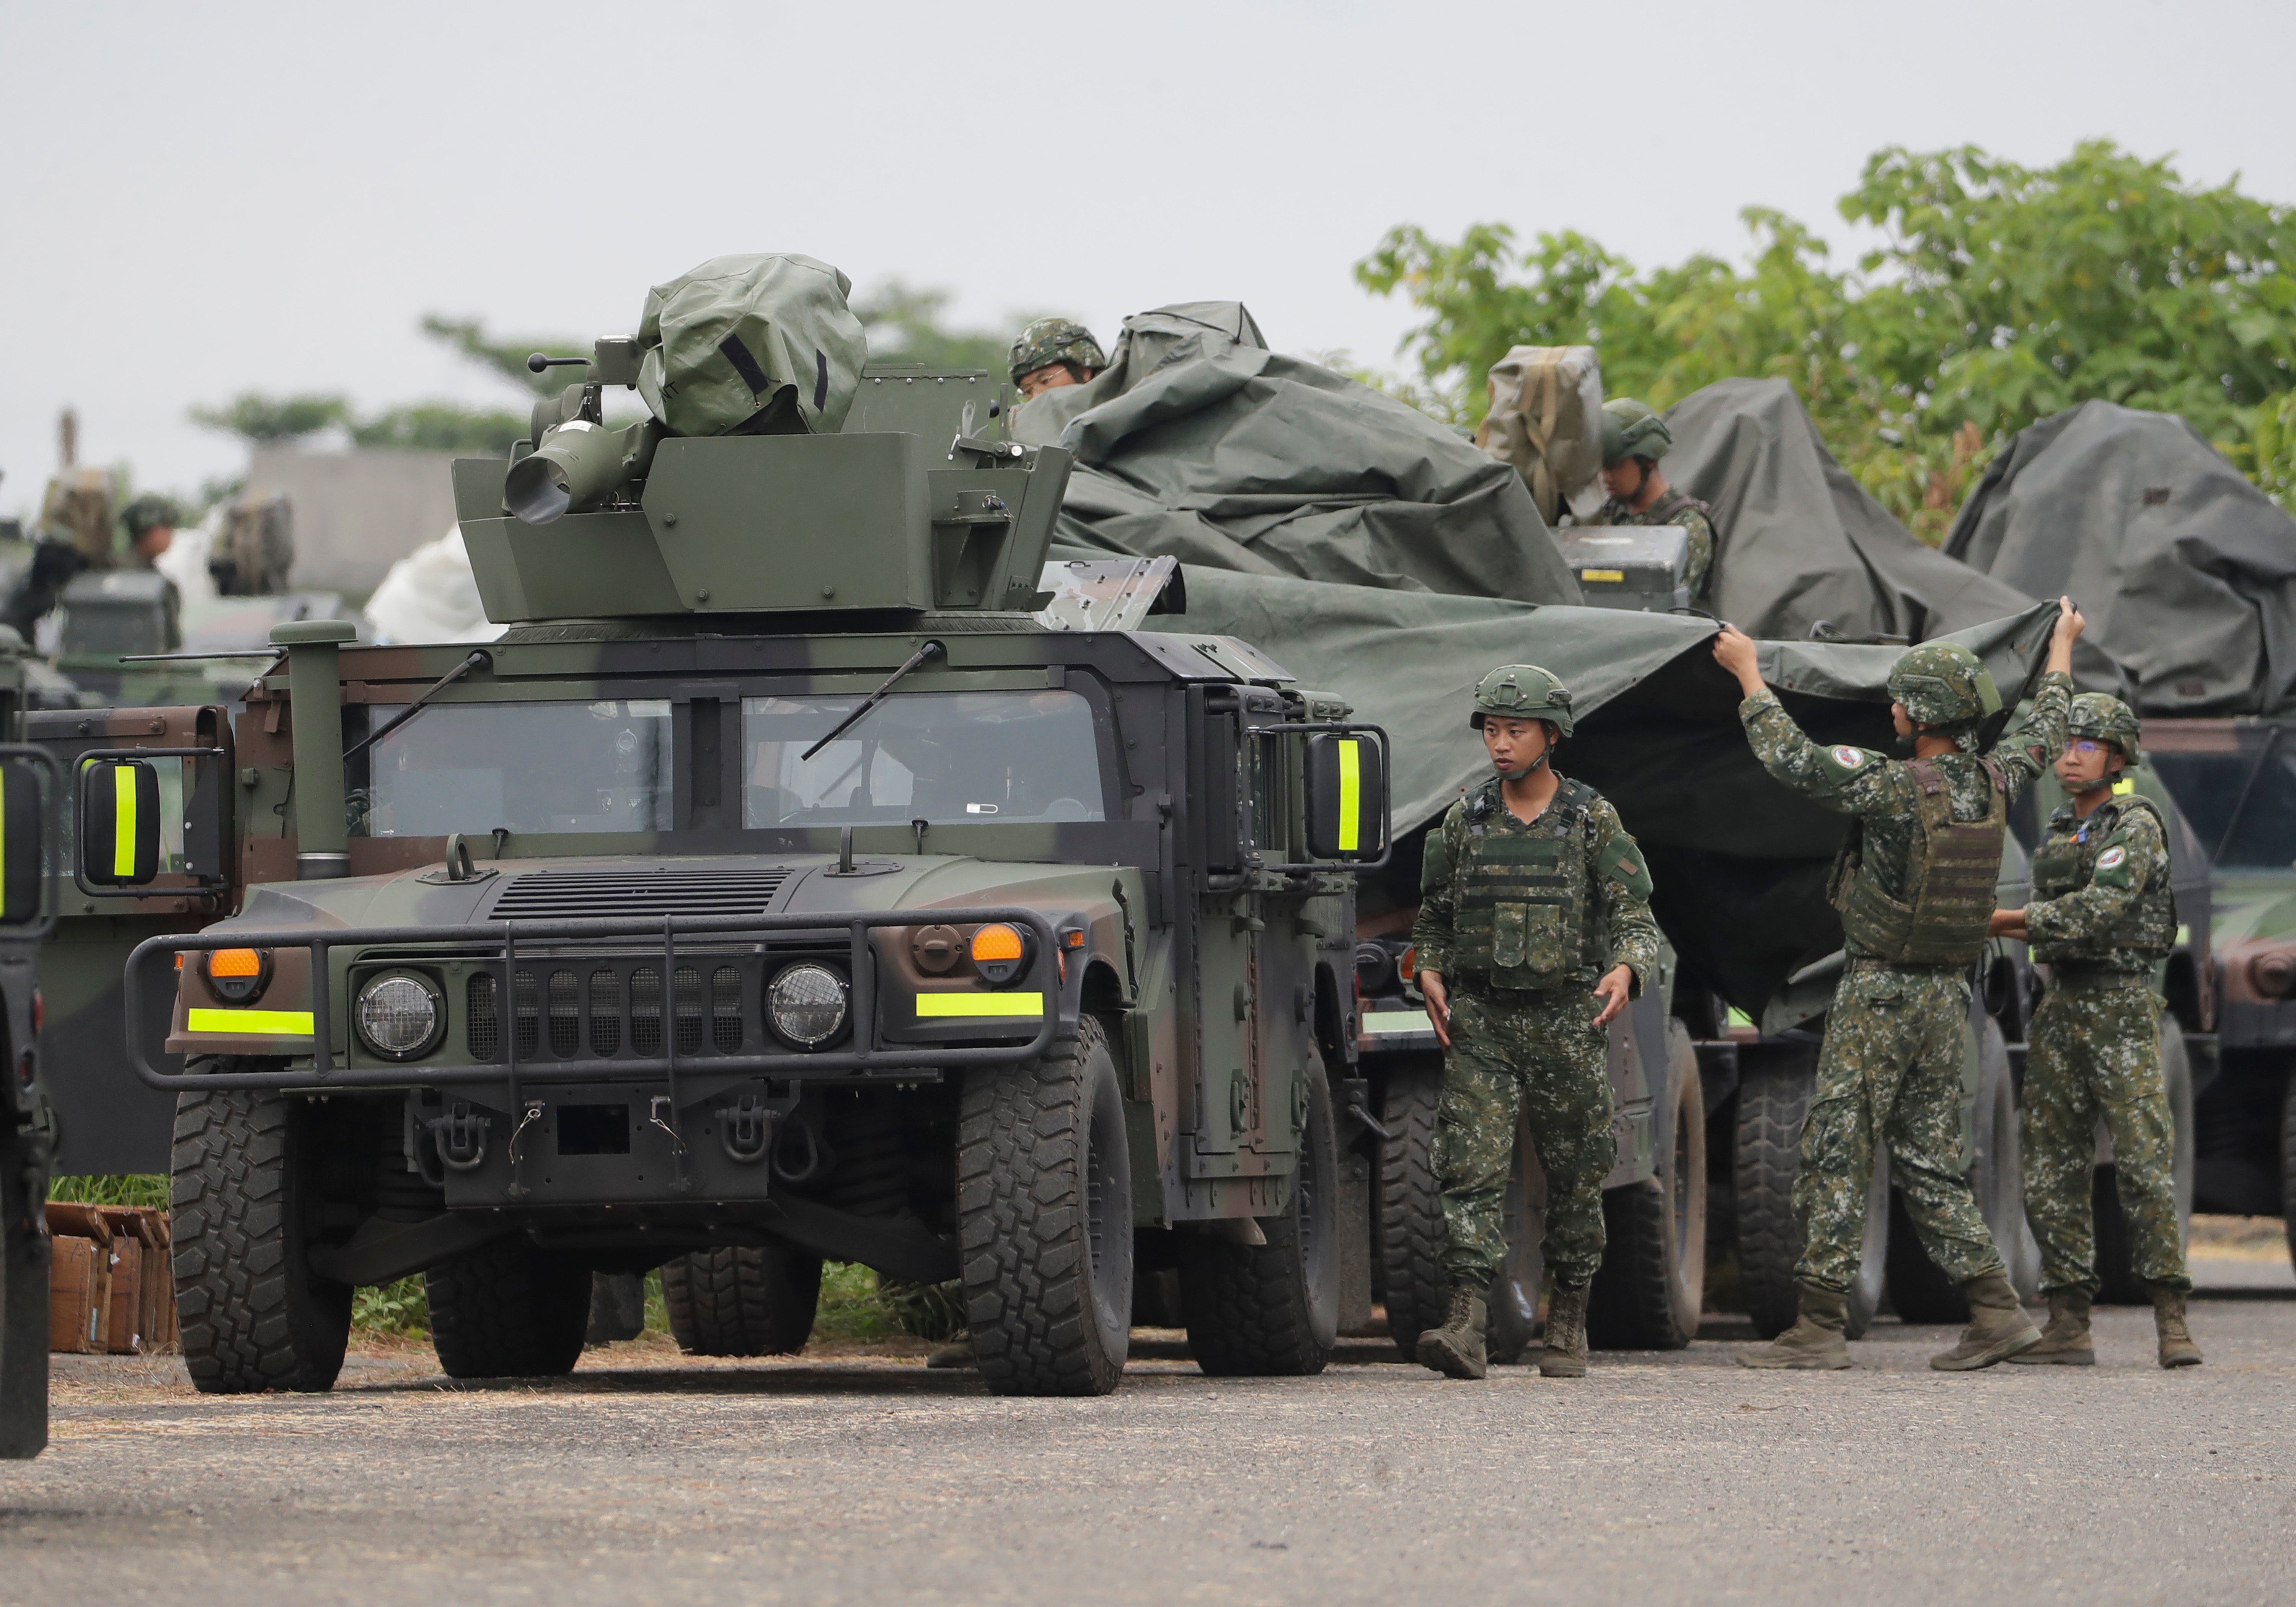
x=508 y=1309
x=2116 y=1268
x=1044 y=1189
x=1651 y=1288
x=243 y=1205
x=741 y=1300
x=1273 y=1309
x=1921 y=1293
x=1410 y=1205
x=1774 y=1094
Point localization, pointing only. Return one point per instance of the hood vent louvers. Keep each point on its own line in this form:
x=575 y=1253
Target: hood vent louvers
x=588 y=895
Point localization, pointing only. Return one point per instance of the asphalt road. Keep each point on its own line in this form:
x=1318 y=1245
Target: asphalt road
x=1659 y=1478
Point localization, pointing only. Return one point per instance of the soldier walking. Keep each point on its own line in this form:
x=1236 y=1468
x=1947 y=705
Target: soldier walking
x=2103 y=915
x=1531 y=894
x=1915 y=884
x=1634 y=439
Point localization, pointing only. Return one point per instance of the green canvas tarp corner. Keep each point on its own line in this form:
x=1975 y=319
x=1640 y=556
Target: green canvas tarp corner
x=2186 y=571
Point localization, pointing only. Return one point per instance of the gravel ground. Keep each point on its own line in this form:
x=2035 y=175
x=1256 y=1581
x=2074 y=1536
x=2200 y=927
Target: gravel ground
x=863 y=1477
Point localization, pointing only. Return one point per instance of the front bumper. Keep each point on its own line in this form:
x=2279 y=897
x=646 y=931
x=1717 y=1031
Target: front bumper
x=712 y=1042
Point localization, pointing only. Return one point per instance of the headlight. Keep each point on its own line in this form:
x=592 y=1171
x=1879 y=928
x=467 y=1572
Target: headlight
x=236 y=975
x=806 y=1004
x=399 y=1016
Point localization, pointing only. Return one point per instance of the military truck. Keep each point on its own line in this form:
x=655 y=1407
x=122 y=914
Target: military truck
x=777 y=889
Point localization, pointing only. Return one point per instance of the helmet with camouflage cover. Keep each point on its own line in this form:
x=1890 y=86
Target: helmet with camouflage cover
x=148 y=514
x=1631 y=430
x=1943 y=683
x=1523 y=692
x=2105 y=719
x=1050 y=341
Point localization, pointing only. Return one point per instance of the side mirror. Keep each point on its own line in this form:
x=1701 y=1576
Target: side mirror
x=23 y=863
x=1347 y=797
x=118 y=823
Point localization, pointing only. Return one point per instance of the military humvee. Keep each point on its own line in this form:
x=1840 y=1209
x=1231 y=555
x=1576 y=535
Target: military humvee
x=780 y=888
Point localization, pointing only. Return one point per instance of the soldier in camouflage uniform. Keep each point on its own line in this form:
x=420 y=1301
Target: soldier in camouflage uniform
x=1915 y=886
x=2103 y=917
x=1634 y=439
x=1532 y=893
x=1052 y=352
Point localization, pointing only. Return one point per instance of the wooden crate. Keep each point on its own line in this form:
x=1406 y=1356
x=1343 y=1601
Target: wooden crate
x=79 y=1294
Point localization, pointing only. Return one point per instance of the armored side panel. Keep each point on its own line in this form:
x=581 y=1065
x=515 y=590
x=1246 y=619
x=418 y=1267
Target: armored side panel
x=939 y=404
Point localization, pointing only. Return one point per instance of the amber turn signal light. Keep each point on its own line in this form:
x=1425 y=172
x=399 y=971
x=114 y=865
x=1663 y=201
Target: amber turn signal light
x=236 y=975
x=1000 y=953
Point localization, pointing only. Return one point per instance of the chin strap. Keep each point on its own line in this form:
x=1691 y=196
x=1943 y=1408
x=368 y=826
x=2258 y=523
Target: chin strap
x=1535 y=765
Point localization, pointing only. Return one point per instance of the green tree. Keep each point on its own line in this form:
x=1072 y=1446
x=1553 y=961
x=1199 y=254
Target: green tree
x=907 y=325
x=506 y=356
x=255 y=417
x=442 y=427
x=2001 y=294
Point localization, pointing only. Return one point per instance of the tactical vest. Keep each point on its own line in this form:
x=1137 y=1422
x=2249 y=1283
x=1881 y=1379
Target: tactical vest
x=1665 y=508
x=1525 y=908
x=2147 y=927
x=1950 y=884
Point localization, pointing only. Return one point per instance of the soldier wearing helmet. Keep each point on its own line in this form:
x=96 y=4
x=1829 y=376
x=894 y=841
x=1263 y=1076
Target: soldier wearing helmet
x=1634 y=439
x=2103 y=916
x=1052 y=352
x=1534 y=930
x=1915 y=885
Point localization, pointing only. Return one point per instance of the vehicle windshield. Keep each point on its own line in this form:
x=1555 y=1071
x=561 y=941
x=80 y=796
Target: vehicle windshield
x=478 y=768
x=936 y=756
x=2238 y=789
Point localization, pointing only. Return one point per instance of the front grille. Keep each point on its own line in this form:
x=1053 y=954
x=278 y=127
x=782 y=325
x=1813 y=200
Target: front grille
x=485 y=1024
x=585 y=895
x=603 y=1009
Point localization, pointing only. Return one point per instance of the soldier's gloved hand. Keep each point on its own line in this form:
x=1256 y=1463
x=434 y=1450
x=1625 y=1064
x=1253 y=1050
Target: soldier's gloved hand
x=1613 y=989
x=1438 y=1004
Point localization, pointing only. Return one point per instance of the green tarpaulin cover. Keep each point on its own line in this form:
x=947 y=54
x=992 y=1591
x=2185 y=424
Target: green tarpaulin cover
x=2186 y=571
x=761 y=344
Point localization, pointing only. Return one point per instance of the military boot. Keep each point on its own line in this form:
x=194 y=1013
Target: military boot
x=1565 y=1354
x=1815 y=1342
x=1998 y=1327
x=2065 y=1341
x=2177 y=1347
x=1455 y=1349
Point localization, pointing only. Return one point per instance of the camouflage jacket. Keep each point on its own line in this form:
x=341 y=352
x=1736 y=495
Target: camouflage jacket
x=2120 y=911
x=1692 y=515
x=1609 y=866
x=1882 y=793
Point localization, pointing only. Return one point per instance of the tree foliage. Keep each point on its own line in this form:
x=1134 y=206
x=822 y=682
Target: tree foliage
x=2000 y=295
x=506 y=356
x=909 y=324
x=254 y=416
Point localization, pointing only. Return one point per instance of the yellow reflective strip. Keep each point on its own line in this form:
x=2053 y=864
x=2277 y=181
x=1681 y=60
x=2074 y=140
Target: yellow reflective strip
x=1378 y=1021
x=1613 y=576
x=1350 y=796
x=979 y=1004
x=262 y=1023
x=123 y=831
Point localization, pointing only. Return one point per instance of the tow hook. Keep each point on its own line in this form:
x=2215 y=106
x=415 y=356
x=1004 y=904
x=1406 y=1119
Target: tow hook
x=1357 y=1093
x=745 y=1130
x=517 y=1189
x=461 y=1138
x=663 y=1114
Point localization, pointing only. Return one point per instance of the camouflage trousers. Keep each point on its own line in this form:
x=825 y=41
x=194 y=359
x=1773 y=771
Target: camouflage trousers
x=2095 y=1055
x=1543 y=1063
x=1891 y=1073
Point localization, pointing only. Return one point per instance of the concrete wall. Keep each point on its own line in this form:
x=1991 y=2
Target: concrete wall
x=356 y=512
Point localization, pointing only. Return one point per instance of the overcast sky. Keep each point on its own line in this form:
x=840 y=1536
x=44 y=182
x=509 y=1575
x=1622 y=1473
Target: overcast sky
x=201 y=200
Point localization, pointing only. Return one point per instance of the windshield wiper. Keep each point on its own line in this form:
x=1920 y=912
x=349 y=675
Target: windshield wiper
x=930 y=650
x=476 y=660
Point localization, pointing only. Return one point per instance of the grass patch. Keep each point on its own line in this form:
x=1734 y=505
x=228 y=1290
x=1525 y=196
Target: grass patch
x=399 y=1310
x=123 y=1188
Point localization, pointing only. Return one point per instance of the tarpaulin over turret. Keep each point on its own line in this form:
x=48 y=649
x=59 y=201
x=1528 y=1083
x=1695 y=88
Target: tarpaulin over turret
x=1200 y=443
x=751 y=345
x=2186 y=571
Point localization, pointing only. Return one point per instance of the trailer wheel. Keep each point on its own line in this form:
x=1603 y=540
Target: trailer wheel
x=508 y=1309
x=741 y=1300
x=1773 y=1103
x=1918 y=1289
x=1273 y=1309
x=1411 y=1233
x=1651 y=1290
x=243 y=1202
x=1043 y=1183
x=2116 y=1267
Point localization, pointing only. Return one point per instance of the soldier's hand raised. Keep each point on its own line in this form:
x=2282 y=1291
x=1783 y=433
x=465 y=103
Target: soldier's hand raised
x=2070 y=626
x=1734 y=651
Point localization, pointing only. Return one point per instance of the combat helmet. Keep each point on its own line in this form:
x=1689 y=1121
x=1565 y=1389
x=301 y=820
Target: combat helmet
x=2105 y=719
x=1631 y=430
x=147 y=514
x=1050 y=341
x=1523 y=692
x=1943 y=683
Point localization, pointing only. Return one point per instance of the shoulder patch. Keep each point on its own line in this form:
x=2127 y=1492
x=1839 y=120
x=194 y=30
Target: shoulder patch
x=2112 y=858
x=1846 y=757
x=1622 y=861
